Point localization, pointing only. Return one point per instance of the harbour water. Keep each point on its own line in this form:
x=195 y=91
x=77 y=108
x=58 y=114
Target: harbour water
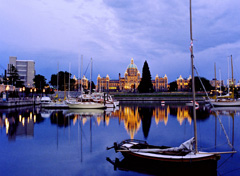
x=35 y=141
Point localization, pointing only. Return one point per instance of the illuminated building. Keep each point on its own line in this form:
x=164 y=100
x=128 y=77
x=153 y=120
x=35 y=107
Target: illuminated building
x=84 y=81
x=160 y=84
x=129 y=82
x=183 y=84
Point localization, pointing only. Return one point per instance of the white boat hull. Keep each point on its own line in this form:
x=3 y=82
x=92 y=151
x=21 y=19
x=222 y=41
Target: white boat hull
x=85 y=105
x=226 y=103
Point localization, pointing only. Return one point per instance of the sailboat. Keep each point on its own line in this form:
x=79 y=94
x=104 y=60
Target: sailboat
x=226 y=100
x=187 y=152
x=87 y=104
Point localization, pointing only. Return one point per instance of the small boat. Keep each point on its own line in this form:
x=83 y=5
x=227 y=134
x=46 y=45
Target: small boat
x=45 y=100
x=141 y=150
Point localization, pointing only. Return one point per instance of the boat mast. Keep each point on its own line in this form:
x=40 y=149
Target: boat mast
x=91 y=78
x=193 y=81
x=215 y=79
x=232 y=70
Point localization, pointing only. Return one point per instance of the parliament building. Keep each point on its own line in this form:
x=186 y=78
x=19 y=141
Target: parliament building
x=130 y=81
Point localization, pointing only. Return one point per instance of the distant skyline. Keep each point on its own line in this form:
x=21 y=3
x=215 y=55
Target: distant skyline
x=112 y=32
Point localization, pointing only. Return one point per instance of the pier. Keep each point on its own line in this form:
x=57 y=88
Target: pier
x=16 y=102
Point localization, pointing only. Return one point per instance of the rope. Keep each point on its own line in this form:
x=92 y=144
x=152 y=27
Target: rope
x=202 y=85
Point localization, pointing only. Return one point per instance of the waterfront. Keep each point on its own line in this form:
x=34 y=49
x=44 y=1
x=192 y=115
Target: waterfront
x=36 y=141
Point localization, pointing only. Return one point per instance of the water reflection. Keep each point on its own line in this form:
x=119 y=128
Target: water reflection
x=65 y=137
x=208 y=168
x=20 y=122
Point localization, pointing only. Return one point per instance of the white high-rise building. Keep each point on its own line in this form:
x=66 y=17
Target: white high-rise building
x=25 y=68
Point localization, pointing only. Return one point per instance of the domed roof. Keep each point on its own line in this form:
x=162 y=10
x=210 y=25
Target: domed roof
x=132 y=65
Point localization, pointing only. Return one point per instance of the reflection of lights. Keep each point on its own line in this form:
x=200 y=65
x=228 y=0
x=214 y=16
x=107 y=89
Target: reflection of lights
x=28 y=119
x=23 y=121
x=99 y=119
x=7 y=88
x=34 y=117
x=84 y=120
x=75 y=119
x=183 y=113
x=20 y=118
x=107 y=119
x=7 y=125
x=161 y=114
x=30 y=115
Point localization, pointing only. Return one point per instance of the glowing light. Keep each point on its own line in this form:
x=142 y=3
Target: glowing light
x=7 y=125
x=34 y=117
x=30 y=115
x=20 y=118
x=23 y=121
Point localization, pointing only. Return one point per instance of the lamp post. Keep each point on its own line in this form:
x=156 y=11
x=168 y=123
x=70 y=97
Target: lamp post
x=20 y=90
x=7 y=88
x=23 y=91
x=43 y=91
x=31 y=93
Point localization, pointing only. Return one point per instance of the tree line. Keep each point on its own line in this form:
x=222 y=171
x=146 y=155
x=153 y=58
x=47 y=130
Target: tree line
x=60 y=81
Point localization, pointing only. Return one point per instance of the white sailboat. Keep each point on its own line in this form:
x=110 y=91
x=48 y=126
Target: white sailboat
x=187 y=152
x=86 y=104
x=226 y=100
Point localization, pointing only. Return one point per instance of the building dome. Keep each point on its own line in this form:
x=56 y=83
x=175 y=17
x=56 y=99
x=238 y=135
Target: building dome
x=132 y=65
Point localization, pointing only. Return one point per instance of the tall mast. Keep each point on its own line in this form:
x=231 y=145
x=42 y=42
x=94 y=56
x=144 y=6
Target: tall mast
x=69 y=80
x=193 y=81
x=57 y=76
x=91 y=78
x=232 y=70
x=215 y=79
x=81 y=72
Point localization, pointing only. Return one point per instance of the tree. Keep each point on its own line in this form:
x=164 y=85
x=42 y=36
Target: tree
x=62 y=79
x=13 y=78
x=173 y=86
x=145 y=85
x=39 y=81
x=93 y=86
x=198 y=85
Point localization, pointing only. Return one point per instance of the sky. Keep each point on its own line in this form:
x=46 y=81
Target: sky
x=111 y=32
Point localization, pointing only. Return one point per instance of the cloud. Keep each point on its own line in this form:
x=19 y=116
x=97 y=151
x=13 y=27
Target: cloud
x=112 y=32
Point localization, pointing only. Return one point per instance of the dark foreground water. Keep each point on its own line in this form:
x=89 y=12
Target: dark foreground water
x=36 y=141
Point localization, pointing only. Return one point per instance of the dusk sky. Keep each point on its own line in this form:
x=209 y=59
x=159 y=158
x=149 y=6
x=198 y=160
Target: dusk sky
x=111 y=32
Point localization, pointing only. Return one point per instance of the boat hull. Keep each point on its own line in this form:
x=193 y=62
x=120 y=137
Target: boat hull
x=225 y=103
x=85 y=105
x=189 y=158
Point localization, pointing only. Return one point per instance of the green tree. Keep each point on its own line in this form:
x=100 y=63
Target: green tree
x=39 y=81
x=145 y=85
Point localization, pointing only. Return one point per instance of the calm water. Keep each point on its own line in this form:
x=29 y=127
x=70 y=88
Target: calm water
x=35 y=141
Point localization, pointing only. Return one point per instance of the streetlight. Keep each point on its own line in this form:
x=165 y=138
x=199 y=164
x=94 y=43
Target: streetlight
x=7 y=89
x=31 y=92
x=43 y=91
x=20 y=90
x=23 y=91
